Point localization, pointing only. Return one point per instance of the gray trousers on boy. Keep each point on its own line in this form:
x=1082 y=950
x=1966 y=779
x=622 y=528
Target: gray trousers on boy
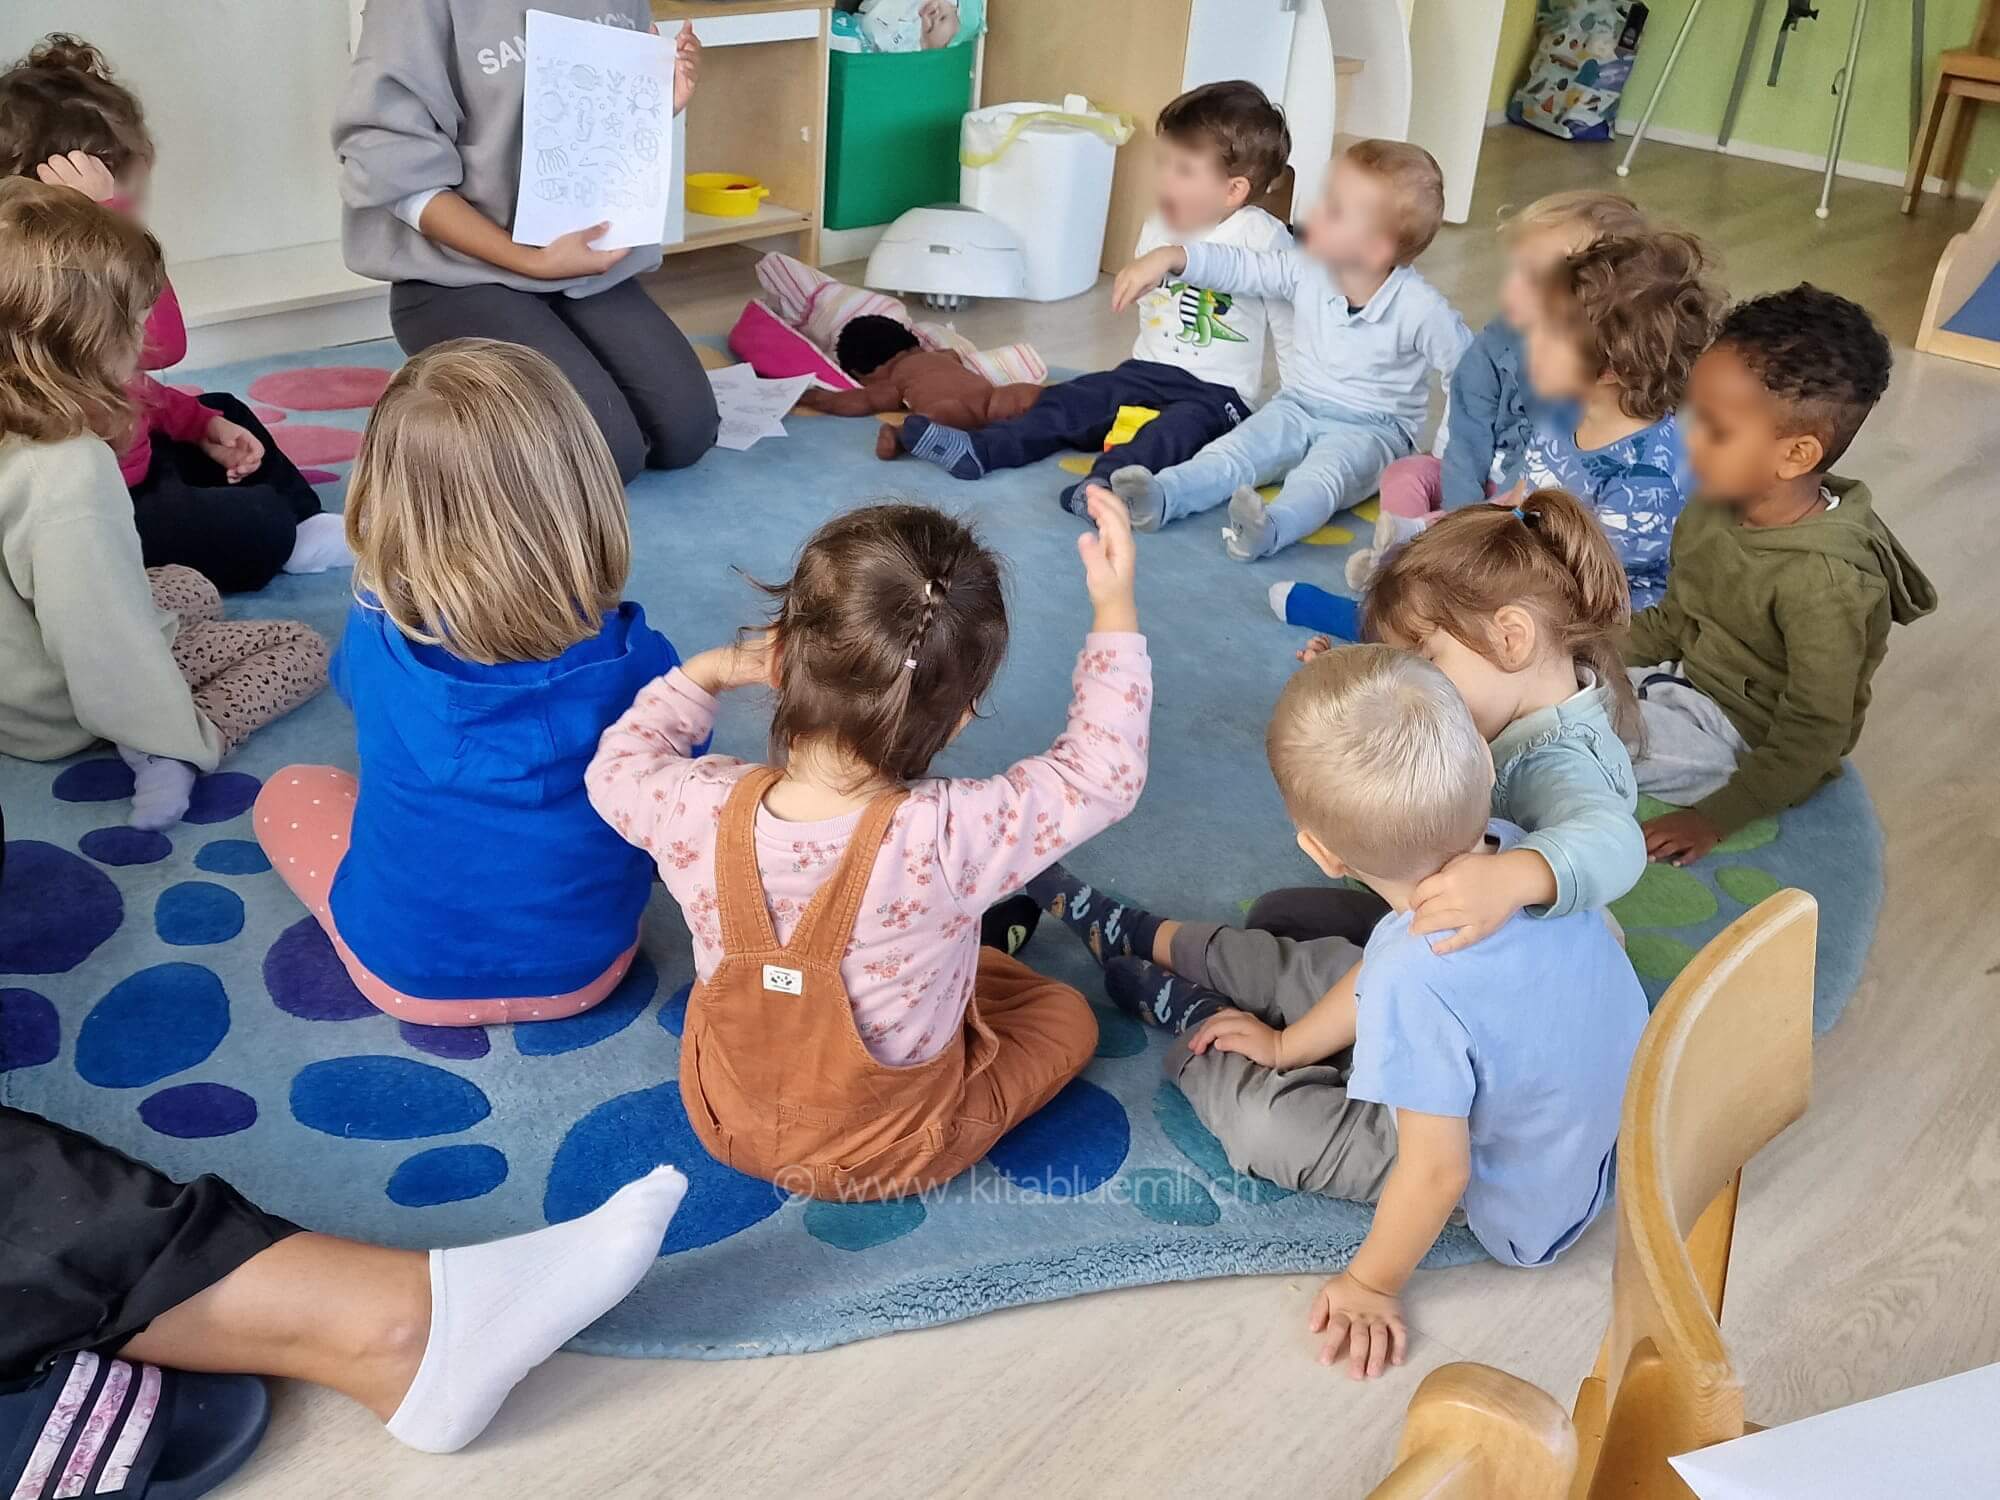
x=1297 y=1128
x=1691 y=746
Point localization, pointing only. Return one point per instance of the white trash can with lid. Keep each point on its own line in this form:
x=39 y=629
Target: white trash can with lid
x=1044 y=170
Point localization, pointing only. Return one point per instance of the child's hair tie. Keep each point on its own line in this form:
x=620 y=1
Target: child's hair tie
x=1520 y=515
x=909 y=664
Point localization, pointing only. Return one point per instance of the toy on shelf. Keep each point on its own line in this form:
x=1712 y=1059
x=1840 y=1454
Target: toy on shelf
x=1962 y=314
x=724 y=195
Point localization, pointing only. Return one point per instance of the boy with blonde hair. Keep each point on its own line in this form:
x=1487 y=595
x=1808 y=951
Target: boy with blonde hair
x=1368 y=331
x=1482 y=1085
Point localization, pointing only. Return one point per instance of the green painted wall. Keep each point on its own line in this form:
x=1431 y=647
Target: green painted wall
x=1798 y=114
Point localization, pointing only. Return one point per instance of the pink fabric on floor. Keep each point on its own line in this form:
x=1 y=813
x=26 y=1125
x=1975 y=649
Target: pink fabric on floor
x=1413 y=486
x=303 y=818
x=305 y=443
x=321 y=387
x=318 y=476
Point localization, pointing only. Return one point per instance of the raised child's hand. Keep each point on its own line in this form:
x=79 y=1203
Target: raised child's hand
x=234 y=447
x=1109 y=560
x=81 y=171
x=1368 y=1322
x=745 y=662
x=1239 y=1032
x=687 y=66
x=1145 y=273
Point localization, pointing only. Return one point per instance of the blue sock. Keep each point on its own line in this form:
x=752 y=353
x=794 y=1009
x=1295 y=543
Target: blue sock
x=1071 y=499
x=947 y=447
x=1314 y=608
x=1159 y=996
x=1109 y=926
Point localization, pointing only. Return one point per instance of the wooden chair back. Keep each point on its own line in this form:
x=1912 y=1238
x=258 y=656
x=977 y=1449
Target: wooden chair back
x=1725 y=1065
x=1985 y=30
x=1477 y=1433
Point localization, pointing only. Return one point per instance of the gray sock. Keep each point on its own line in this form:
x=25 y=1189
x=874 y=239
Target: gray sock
x=1143 y=496
x=1248 y=535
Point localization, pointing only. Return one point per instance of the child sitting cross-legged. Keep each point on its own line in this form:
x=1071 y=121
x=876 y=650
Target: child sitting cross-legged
x=847 y=1036
x=1199 y=358
x=1485 y=1082
x=93 y=644
x=1368 y=333
x=1754 y=671
x=462 y=877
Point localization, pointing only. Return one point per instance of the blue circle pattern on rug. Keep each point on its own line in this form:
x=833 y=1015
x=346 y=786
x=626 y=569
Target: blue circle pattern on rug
x=159 y=1022
x=385 y=1099
x=447 y=1174
x=607 y=1018
x=196 y=1111
x=306 y=978
x=1072 y=1145
x=232 y=857
x=125 y=846
x=105 y=779
x=196 y=912
x=30 y=1030
x=220 y=796
x=457 y=1043
x=55 y=909
x=625 y=1138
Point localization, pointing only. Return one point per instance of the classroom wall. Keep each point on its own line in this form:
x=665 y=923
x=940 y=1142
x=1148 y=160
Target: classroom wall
x=239 y=95
x=1798 y=114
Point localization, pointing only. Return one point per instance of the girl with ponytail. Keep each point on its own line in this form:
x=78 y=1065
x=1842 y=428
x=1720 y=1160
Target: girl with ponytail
x=1520 y=607
x=848 y=1036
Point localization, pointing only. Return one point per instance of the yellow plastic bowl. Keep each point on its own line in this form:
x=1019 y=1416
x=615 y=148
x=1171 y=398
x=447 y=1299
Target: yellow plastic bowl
x=727 y=195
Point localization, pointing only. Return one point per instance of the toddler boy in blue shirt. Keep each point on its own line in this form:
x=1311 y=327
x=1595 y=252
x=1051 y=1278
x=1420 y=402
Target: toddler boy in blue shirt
x=1484 y=1083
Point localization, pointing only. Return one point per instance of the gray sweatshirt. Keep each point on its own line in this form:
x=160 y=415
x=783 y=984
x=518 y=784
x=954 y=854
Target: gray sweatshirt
x=433 y=100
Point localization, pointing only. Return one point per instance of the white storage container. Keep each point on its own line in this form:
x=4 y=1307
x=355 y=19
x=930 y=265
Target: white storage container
x=1044 y=170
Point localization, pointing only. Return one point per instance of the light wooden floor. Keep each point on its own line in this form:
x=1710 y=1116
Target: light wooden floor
x=1870 y=1237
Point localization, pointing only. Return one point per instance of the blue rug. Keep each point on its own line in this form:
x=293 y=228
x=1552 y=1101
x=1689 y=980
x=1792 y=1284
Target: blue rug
x=167 y=993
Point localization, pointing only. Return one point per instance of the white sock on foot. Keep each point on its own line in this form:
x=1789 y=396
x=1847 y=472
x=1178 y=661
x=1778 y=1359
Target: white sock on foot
x=500 y=1309
x=1392 y=531
x=1359 y=569
x=319 y=544
x=1279 y=594
x=161 y=787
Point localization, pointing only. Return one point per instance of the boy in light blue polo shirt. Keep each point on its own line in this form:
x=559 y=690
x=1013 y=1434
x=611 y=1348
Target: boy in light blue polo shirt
x=1485 y=1083
x=1369 y=334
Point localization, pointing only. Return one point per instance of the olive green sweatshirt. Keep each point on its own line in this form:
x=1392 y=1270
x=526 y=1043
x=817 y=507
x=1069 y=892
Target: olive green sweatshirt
x=1783 y=626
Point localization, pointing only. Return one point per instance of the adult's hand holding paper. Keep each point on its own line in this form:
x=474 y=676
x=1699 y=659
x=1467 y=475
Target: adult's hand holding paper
x=596 y=133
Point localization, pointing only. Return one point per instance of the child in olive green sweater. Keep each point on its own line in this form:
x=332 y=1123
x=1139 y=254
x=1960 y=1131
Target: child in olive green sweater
x=1753 y=672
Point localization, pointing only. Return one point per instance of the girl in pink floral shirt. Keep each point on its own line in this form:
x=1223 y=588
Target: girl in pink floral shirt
x=885 y=639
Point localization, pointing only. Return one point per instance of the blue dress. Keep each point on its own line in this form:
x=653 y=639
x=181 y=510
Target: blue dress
x=1637 y=486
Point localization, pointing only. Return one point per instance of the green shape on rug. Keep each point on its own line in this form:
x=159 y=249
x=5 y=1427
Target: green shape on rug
x=862 y=1226
x=1747 y=883
x=1118 y=1035
x=1666 y=896
x=1169 y=1196
x=1655 y=955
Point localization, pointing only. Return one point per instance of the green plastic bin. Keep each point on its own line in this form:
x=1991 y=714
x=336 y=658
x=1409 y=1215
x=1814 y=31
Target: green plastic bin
x=892 y=132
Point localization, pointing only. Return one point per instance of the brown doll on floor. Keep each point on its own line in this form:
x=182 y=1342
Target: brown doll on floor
x=898 y=374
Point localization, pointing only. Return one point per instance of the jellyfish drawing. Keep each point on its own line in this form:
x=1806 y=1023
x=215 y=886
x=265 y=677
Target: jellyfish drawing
x=551 y=161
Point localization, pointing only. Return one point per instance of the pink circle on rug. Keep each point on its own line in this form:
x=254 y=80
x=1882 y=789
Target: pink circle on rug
x=304 y=443
x=321 y=387
x=318 y=476
x=269 y=414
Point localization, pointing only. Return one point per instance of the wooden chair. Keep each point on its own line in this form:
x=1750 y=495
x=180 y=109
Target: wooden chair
x=1969 y=72
x=1477 y=1433
x=1725 y=1065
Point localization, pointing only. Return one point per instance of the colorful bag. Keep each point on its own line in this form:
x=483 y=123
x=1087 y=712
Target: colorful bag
x=1581 y=63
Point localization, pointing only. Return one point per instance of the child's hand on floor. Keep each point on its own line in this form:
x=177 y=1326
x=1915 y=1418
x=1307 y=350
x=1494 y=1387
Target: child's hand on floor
x=1680 y=838
x=1109 y=561
x=1245 y=1035
x=1145 y=273
x=1474 y=896
x=81 y=171
x=1319 y=645
x=1368 y=1322
x=235 y=447
x=746 y=662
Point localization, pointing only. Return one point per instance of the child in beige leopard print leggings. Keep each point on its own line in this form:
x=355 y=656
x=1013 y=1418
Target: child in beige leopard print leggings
x=92 y=646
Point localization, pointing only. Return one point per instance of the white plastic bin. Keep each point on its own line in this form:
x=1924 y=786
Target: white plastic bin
x=1044 y=170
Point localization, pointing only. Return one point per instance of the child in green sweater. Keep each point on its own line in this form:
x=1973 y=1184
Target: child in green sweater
x=1753 y=671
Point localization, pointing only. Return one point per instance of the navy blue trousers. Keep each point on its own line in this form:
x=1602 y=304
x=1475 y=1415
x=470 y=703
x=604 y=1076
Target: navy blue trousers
x=1078 y=414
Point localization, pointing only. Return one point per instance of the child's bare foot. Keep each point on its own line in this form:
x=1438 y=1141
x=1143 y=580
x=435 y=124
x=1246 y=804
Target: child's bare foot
x=1143 y=496
x=886 y=445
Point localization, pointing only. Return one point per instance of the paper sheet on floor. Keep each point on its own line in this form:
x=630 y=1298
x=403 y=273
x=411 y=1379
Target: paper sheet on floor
x=597 y=133
x=752 y=408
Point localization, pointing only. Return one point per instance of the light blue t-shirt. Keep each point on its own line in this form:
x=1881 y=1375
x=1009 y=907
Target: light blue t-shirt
x=1375 y=358
x=1527 y=1035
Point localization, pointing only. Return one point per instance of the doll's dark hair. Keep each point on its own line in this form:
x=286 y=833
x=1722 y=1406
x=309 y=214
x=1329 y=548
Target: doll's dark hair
x=1819 y=355
x=869 y=342
x=888 y=633
x=64 y=97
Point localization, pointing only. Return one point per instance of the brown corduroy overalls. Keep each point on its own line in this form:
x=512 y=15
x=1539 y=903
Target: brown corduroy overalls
x=777 y=1081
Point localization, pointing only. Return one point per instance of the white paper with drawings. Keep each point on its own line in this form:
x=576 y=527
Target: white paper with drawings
x=596 y=132
x=751 y=408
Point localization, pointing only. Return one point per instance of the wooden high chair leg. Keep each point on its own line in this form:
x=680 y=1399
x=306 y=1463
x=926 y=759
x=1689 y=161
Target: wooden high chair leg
x=1927 y=134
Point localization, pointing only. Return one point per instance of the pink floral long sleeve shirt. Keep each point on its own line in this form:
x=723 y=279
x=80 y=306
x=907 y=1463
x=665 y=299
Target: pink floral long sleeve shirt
x=953 y=849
